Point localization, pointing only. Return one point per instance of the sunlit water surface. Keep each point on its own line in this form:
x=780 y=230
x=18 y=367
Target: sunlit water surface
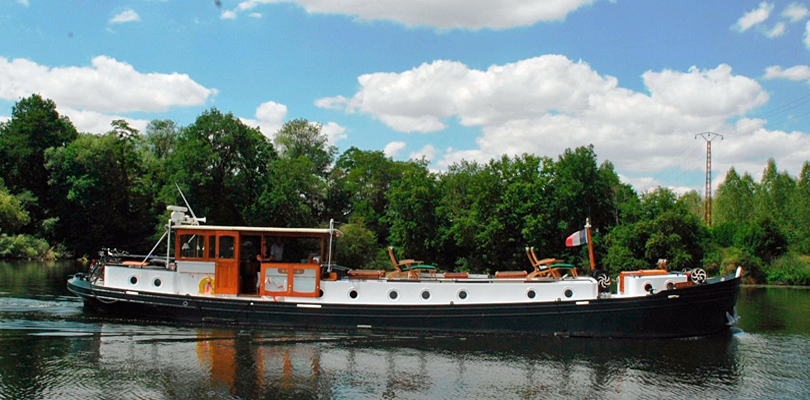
x=51 y=349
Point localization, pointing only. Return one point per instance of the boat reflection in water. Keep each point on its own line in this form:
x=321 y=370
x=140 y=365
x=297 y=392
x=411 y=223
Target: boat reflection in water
x=264 y=364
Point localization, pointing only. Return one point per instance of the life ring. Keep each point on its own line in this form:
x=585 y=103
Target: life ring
x=207 y=285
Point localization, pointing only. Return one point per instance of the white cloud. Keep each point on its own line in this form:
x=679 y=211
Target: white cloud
x=269 y=117
x=753 y=17
x=428 y=152
x=228 y=14
x=712 y=93
x=546 y=104
x=393 y=148
x=127 y=15
x=447 y=14
x=255 y=15
x=795 y=73
x=4 y=118
x=776 y=31
x=24 y=2
x=795 y=12
x=333 y=132
x=106 y=86
x=95 y=122
x=807 y=35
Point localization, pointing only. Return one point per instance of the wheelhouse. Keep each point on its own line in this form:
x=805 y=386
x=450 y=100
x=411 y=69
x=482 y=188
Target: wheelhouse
x=253 y=261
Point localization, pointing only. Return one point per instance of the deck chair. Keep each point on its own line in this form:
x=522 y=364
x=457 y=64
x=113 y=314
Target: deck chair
x=548 y=267
x=407 y=268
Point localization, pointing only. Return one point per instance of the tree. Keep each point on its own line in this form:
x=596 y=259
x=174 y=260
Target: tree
x=489 y=213
x=104 y=202
x=412 y=201
x=357 y=189
x=773 y=196
x=290 y=195
x=301 y=138
x=801 y=211
x=12 y=214
x=221 y=164
x=34 y=127
x=160 y=138
x=666 y=229
x=357 y=247
x=734 y=199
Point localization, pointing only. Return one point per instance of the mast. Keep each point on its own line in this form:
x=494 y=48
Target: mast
x=590 y=243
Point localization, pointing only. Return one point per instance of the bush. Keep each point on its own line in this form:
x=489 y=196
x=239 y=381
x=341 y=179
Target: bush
x=790 y=269
x=24 y=247
x=733 y=257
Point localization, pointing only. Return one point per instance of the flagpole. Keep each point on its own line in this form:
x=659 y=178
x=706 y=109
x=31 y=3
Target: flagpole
x=590 y=242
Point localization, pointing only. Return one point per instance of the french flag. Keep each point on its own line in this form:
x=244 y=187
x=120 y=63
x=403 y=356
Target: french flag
x=577 y=238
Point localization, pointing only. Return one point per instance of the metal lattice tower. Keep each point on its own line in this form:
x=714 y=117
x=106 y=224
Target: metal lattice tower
x=707 y=200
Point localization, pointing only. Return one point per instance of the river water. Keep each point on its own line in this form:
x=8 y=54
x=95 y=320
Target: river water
x=51 y=349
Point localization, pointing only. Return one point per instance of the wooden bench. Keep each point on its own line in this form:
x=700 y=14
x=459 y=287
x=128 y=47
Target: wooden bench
x=365 y=274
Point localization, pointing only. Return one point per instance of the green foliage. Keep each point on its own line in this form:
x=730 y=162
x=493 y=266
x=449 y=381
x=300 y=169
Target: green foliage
x=412 y=201
x=790 y=270
x=290 y=195
x=104 y=201
x=666 y=228
x=220 y=163
x=762 y=239
x=35 y=126
x=358 y=246
x=358 y=184
x=491 y=212
x=24 y=247
x=12 y=214
x=301 y=138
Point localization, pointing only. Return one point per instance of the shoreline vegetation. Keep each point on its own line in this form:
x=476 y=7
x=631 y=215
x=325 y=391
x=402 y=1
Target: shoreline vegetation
x=65 y=194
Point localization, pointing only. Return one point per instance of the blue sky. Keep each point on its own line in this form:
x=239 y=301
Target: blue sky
x=444 y=79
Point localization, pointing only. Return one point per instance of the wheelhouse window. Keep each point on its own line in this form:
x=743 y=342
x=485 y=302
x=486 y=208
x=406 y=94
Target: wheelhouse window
x=192 y=246
x=226 y=247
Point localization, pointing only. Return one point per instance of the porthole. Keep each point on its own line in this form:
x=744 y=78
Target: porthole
x=425 y=294
x=462 y=294
x=393 y=294
x=133 y=280
x=568 y=293
x=353 y=294
x=156 y=282
x=531 y=293
x=648 y=287
x=320 y=293
x=670 y=285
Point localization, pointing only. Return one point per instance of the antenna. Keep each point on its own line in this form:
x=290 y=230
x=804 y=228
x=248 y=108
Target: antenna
x=707 y=200
x=185 y=201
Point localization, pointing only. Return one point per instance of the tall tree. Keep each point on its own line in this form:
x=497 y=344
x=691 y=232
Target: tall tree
x=301 y=138
x=358 y=186
x=220 y=163
x=801 y=211
x=104 y=202
x=34 y=127
x=734 y=199
x=411 y=211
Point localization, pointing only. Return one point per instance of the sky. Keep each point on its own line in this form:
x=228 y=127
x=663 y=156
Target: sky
x=447 y=80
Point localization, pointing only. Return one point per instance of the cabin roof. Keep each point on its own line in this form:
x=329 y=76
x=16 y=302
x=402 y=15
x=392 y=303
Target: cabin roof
x=255 y=229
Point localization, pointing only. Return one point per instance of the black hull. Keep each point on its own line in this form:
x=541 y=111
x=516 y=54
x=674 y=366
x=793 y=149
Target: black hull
x=701 y=310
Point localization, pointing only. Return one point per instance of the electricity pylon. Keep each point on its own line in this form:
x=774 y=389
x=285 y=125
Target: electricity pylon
x=707 y=200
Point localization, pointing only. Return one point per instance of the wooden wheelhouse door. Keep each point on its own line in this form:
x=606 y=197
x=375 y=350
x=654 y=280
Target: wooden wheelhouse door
x=227 y=263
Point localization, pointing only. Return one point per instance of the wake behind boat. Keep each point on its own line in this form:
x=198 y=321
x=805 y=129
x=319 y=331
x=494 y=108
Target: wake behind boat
x=287 y=277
